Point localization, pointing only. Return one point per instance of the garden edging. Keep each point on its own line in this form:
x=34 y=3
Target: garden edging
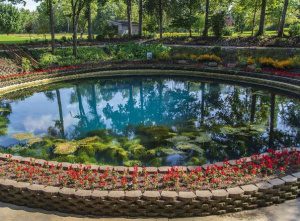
x=136 y=203
x=285 y=84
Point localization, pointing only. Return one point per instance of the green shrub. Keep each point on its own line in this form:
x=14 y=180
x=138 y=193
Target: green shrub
x=26 y=65
x=218 y=23
x=294 y=29
x=227 y=31
x=49 y=59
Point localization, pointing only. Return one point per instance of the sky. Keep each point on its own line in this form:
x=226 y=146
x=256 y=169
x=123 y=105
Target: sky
x=30 y=4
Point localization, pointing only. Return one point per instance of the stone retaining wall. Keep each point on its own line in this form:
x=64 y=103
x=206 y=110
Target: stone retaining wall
x=285 y=84
x=149 y=203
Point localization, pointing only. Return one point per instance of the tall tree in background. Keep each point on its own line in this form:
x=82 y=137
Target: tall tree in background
x=282 y=21
x=160 y=12
x=129 y=4
x=89 y=19
x=76 y=6
x=206 y=23
x=262 y=17
x=52 y=28
x=140 y=18
x=50 y=12
x=9 y=18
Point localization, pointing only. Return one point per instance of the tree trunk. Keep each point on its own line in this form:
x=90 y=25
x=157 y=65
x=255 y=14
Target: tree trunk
x=51 y=14
x=254 y=18
x=129 y=18
x=262 y=18
x=160 y=19
x=253 y=107
x=89 y=20
x=140 y=18
x=61 y=118
x=75 y=27
x=282 y=21
x=205 y=30
x=272 y=120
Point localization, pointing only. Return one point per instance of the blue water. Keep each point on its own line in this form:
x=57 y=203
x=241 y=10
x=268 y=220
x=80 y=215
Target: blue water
x=232 y=120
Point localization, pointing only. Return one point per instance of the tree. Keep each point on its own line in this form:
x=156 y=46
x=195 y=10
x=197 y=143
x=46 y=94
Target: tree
x=9 y=18
x=206 y=23
x=282 y=21
x=157 y=8
x=140 y=18
x=129 y=4
x=76 y=7
x=89 y=19
x=262 y=17
x=50 y=12
x=183 y=13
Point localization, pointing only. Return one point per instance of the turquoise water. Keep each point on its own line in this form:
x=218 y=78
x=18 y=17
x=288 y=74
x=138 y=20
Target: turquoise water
x=147 y=121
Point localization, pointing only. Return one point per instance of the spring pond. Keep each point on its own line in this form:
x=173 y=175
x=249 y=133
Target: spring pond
x=146 y=121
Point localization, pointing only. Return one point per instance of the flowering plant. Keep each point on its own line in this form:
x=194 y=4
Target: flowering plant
x=221 y=175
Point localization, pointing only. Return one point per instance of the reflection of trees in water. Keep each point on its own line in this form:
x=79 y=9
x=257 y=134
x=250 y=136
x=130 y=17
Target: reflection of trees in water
x=251 y=115
x=5 y=111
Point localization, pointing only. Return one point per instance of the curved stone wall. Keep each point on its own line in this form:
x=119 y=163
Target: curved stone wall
x=149 y=203
x=284 y=84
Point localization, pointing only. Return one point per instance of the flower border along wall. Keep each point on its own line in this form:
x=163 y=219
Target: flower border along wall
x=156 y=192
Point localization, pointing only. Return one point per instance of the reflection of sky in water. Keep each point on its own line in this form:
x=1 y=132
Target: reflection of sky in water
x=180 y=101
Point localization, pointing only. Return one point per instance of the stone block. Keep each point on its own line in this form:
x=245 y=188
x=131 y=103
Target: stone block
x=235 y=192
x=203 y=195
x=151 y=195
x=186 y=196
x=219 y=194
x=169 y=195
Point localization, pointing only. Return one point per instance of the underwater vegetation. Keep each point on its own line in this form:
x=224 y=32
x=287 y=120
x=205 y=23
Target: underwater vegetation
x=150 y=146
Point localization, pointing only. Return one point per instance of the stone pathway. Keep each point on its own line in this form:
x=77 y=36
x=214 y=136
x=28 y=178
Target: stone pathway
x=289 y=211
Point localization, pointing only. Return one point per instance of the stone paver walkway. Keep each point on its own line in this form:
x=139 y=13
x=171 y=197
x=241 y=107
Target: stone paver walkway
x=289 y=211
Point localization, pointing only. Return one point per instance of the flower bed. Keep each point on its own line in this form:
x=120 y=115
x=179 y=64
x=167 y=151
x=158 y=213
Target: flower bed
x=220 y=175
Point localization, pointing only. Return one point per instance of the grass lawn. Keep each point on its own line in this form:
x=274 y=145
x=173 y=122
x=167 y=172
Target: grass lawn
x=26 y=38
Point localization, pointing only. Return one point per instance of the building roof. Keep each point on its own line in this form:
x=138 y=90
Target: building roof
x=122 y=22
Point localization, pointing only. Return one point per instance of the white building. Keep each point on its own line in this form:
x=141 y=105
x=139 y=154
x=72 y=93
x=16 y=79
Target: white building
x=123 y=27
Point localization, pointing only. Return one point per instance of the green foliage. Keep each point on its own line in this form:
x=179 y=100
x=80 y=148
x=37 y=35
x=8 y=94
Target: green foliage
x=227 y=31
x=26 y=65
x=218 y=23
x=9 y=18
x=294 y=29
x=49 y=59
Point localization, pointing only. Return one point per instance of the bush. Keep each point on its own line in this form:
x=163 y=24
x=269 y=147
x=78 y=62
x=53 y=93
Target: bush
x=209 y=57
x=26 y=65
x=49 y=59
x=227 y=31
x=280 y=64
x=218 y=23
x=294 y=29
